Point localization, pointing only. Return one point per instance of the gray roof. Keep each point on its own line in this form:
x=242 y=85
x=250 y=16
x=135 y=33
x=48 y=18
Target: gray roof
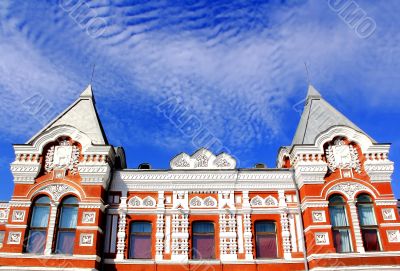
x=318 y=116
x=82 y=115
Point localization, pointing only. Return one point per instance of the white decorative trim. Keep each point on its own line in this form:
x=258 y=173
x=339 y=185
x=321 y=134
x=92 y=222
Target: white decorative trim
x=318 y=216
x=208 y=202
x=18 y=216
x=393 y=236
x=321 y=238
x=86 y=239
x=314 y=204
x=342 y=156
x=4 y=215
x=388 y=214
x=386 y=202
x=57 y=191
x=269 y=201
x=14 y=238
x=88 y=217
x=350 y=189
x=137 y=202
x=203 y=159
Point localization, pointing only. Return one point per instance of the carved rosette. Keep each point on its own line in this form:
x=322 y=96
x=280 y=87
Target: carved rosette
x=64 y=156
x=339 y=155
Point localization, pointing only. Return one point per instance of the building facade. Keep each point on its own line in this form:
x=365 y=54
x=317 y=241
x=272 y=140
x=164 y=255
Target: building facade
x=328 y=204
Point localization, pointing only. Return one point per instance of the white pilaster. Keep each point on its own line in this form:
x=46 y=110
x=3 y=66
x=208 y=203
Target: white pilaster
x=51 y=228
x=248 y=243
x=356 y=226
x=121 y=229
x=227 y=234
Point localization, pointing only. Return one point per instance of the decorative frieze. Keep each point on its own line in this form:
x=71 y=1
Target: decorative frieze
x=57 y=190
x=269 y=201
x=379 y=170
x=137 y=202
x=203 y=159
x=348 y=188
x=208 y=202
x=388 y=214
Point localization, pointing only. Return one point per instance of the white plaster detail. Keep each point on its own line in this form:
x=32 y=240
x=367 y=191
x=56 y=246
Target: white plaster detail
x=393 y=236
x=342 y=156
x=203 y=159
x=208 y=202
x=65 y=156
x=388 y=214
x=14 y=238
x=349 y=189
x=57 y=190
x=321 y=238
x=137 y=202
x=269 y=201
x=4 y=215
x=86 y=239
x=18 y=216
x=227 y=233
x=159 y=236
x=88 y=217
x=318 y=216
x=286 y=236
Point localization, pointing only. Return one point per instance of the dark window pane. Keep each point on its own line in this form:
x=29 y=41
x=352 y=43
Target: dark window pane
x=370 y=239
x=265 y=227
x=142 y=227
x=336 y=199
x=266 y=246
x=69 y=217
x=341 y=239
x=364 y=199
x=140 y=247
x=40 y=216
x=203 y=227
x=65 y=242
x=203 y=246
x=70 y=200
x=36 y=241
x=43 y=200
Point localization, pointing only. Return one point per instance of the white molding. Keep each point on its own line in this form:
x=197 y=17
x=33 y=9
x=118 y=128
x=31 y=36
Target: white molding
x=321 y=238
x=88 y=217
x=317 y=227
x=18 y=216
x=14 y=238
x=86 y=239
x=388 y=214
x=353 y=255
x=318 y=216
x=203 y=159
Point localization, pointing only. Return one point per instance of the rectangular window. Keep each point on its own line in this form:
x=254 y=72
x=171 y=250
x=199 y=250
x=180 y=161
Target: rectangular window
x=1 y=238
x=37 y=240
x=65 y=242
x=370 y=239
x=111 y=234
x=341 y=239
x=203 y=240
x=140 y=240
x=266 y=246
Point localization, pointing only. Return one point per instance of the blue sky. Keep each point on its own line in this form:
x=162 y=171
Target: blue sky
x=237 y=67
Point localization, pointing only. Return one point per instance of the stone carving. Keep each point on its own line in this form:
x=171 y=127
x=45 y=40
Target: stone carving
x=14 y=238
x=137 y=202
x=86 y=240
x=318 y=216
x=321 y=238
x=4 y=215
x=393 y=236
x=89 y=217
x=198 y=202
x=18 y=216
x=348 y=188
x=342 y=156
x=269 y=201
x=388 y=214
x=203 y=159
x=57 y=190
x=65 y=156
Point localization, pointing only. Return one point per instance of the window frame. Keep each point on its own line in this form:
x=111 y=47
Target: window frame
x=150 y=234
x=257 y=233
x=202 y=234
x=65 y=230
x=338 y=228
x=108 y=236
x=37 y=229
x=374 y=227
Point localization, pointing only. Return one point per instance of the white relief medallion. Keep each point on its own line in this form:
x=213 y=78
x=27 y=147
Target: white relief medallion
x=342 y=156
x=321 y=238
x=18 y=216
x=393 y=236
x=86 y=240
x=388 y=214
x=14 y=238
x=318 y=216
x=64 y=156
x=88 y=217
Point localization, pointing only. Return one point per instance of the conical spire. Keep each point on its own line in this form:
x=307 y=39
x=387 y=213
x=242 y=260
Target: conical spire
x=82 y=115
x=318 y=116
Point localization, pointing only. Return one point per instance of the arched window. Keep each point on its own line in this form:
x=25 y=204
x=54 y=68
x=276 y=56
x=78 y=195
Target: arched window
x=265 y=232
x=369 y=227
x=340 y=225
x=38 y=225
x=140 y=240
x=203 y=240
x=67 y=226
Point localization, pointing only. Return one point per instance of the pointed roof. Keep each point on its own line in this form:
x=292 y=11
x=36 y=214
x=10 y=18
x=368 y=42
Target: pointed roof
x=318 y=116
x=82 y=115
